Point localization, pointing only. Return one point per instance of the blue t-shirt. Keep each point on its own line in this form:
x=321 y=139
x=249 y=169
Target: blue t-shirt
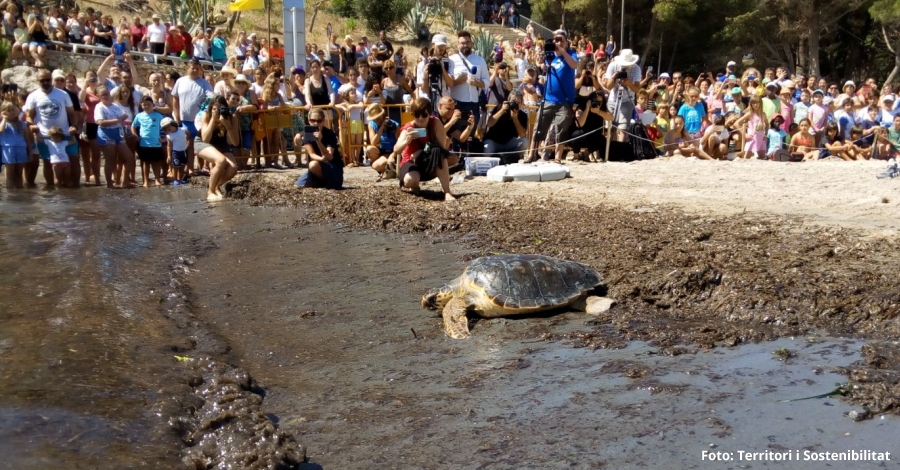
x=868 y=140
x=217 y=49
x=776 y=140
x=389 y=136
x=693 y=117
x=148 y=128
x=561 y=81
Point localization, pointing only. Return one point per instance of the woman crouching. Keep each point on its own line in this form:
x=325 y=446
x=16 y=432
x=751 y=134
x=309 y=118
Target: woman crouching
x=219 y=132
x=422 y=145
x=326 y=166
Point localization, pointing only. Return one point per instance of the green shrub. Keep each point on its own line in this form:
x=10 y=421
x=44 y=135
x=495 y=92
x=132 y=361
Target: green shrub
x=382 y=15
x=458 y=21
x=5 y=51
x=345 y=8
x=416 y=17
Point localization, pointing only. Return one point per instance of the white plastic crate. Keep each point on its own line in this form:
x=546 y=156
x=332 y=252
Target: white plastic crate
x=479 y=166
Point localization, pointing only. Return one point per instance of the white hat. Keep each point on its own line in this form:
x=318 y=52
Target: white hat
x=626 y=57
x=58 y=74
x=887 y=98
x=849 y=83
x=827 y=100
x=664 y=75
x=439 y=40
x=731 y=63
x=787 y=84
x=241 y=78
x=166 y=123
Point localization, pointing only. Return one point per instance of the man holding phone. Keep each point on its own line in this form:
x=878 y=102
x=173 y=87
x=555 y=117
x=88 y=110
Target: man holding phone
x=470 y=75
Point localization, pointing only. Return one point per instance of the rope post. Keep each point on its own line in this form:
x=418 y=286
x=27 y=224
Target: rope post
x=609 y=134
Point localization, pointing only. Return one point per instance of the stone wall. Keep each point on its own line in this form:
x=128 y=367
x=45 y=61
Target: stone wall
x=81 y=63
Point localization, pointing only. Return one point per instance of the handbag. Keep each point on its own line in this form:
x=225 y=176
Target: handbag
x=429 y=159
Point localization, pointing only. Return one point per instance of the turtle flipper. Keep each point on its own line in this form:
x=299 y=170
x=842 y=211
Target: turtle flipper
x=456 y=324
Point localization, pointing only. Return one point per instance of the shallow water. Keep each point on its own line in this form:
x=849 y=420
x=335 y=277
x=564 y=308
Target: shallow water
x=328 y=322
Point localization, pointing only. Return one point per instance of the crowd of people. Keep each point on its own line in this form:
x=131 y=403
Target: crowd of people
x=30 y=30
x=362 y=103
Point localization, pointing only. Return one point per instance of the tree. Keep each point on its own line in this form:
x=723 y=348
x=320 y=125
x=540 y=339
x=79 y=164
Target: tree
x=383 y=14
x=887 y=13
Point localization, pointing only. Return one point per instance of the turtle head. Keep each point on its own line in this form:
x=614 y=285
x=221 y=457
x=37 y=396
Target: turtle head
x=437 y=298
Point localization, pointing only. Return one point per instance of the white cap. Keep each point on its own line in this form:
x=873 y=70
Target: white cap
x=166 y=123
x=439 y=40
x=887 y=97
x=787 y=84
x=849 y=83
x=58 y=74
x=731 y=63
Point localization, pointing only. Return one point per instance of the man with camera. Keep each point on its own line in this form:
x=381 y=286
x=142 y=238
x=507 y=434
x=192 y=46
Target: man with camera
x=506 y=130
x=470 y=76
x=559 y=93
x=623 y=80
x=435 y=73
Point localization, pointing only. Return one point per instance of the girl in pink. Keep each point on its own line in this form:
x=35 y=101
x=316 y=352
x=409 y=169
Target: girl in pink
x=755 y=136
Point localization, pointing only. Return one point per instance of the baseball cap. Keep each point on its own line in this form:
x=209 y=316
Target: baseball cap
x=849 y=83
x=731 y=63
x=58 y=74
x=439 y=40
x=736 y=91
x=664 y=75
x=888 y=97
x=787 y=84
x=818 y=92
x=561 y=32
x=166 y=123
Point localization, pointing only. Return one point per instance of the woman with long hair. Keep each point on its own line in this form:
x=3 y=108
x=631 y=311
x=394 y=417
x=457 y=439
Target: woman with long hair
x=271 y=99
x=755 y=118
x=90 y=152
x=318 y=90
x=219 y=132
x=110 y=119
x=393 y=87
x=412 y=141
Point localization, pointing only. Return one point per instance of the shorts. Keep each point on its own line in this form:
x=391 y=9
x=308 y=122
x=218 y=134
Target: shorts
x=200 y=145
x=151 y=154
x=38 y=44
x=622 y=116
x=179 y=158
x=157 y=47
x=356 y=126
x=559 y=115
x=44 y=151
x=90 y=131
x=411 y=166
x=60 y=165
x=189 y=126
x=15 y=155
x=247 y=139
x=110 y=136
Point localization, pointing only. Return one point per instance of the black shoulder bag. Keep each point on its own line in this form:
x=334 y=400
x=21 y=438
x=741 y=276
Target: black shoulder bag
x=428 y=160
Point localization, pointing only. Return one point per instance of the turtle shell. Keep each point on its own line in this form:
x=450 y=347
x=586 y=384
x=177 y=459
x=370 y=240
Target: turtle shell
x=531 y=282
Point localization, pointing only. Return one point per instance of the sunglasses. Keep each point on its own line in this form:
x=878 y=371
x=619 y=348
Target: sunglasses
x=421 y=116
x=314 y=121
x=558 y=39
x=45 y=80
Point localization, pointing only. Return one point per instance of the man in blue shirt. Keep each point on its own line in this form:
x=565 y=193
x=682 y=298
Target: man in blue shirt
x=559 y=96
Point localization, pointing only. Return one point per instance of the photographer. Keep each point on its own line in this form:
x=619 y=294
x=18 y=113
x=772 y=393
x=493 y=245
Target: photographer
x=470 y=73
x=588 y=120
x=435 y=71
x=218 y=133
x=559 y=93
x=506 y=129
x=457 y=126
x=623 y=80
x=326 y=166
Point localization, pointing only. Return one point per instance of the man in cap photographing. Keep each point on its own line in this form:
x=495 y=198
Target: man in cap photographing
x=623 y=80
x=559 y=95
x=435 y=73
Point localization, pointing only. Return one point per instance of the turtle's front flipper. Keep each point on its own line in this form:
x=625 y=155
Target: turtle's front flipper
x=455 y=322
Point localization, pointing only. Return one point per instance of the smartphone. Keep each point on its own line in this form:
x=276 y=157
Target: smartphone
x=650 y=68
x=421 y=132
x=309 y=131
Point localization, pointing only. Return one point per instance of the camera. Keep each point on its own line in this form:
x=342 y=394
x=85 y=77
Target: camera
x=622 y=75
x=549 y=51
x=225 y=112
x=595 y=103
x=513 y=106
x=10 y=88
x=434 y=68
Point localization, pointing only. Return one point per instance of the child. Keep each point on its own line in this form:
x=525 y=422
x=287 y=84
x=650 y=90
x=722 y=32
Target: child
x=15 y=143
x=59 y=160
x=146 y=125
x=353 y=108
x=120 y=47
x=859 y=148
x=178 y=143
x=834 y=143
x=775 y=150
x=803 y=144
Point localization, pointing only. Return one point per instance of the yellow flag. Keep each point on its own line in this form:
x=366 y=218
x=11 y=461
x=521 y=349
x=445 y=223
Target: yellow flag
x=243 y=5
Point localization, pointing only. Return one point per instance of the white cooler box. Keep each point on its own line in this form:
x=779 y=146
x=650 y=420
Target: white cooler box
x=479 y=166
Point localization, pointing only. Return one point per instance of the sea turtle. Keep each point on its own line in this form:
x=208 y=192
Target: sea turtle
x=502 y=285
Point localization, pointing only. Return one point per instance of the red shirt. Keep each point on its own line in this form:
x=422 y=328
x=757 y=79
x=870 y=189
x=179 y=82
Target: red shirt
x=176 y=43
x=188 y=42
x=137 y=34
x=419 y=143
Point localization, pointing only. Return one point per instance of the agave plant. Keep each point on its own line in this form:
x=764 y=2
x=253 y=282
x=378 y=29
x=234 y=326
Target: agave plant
x=189 y=12
x=416 y=17
x=483 y=43
x=458 y=21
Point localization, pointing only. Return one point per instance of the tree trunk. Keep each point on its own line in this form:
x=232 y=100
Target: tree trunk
x=610 y=13
x=312 y=21
x=234 y=18
x=672 y=58
x=891 y=48
x=803 y=56
x=814 y=32
x=648 y=42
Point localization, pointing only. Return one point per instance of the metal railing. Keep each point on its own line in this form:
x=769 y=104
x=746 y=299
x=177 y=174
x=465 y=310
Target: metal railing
x=539 y=29
x=149 y=57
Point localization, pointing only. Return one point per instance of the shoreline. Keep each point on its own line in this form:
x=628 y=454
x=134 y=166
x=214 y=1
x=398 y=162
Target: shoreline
x=679 y=277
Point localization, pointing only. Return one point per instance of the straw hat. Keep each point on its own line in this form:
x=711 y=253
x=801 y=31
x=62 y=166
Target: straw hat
x=241 y=78
x=228 y=70
x=375 y=111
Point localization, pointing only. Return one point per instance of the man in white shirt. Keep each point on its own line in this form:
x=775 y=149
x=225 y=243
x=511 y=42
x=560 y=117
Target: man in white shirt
x=445 y=80
x=48 y=107
x=156 y=35
x=470 y=75
x=189 y=93
x=623 y=80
